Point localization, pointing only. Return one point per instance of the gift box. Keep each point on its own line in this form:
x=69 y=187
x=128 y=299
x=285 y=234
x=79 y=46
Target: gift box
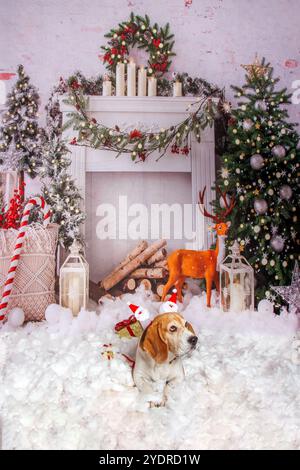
x=129 y=328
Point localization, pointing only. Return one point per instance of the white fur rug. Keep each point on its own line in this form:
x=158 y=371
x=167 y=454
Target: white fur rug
x=241 y=389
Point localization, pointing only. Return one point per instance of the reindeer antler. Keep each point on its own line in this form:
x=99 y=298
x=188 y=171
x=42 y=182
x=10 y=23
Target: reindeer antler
x=222 y=216
x=203 y=211
x=228 y=208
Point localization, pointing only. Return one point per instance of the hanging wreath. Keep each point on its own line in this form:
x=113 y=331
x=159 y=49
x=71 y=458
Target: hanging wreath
x=137 y=31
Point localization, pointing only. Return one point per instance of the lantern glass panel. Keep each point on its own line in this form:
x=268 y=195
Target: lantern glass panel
x=74 y=282
x=236 y=283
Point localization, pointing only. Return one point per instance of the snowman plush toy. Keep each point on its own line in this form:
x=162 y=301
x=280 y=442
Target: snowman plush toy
x=170 y=305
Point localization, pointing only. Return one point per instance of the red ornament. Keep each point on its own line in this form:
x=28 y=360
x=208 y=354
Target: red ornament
x=73 y=141
x=12 y=217
x=156 y=42
x=185 y=150
x=135 y=134
x=75 y=85
x=231 y=122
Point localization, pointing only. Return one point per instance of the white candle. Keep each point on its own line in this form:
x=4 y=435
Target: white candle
x=142 y=82
x=152 y=85
x=237 y=298
x=131 y=78
x=74 y=295
x=120 y=79
x=177 y=88
x=106 y=88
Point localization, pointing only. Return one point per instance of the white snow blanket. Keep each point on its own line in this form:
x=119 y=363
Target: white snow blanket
x=242 y=391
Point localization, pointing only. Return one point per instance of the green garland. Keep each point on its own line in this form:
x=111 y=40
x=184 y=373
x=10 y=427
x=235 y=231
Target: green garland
x=137 y=143
x=137 y=31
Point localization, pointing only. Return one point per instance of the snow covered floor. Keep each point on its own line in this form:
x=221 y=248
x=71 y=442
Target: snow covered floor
x=241 y=389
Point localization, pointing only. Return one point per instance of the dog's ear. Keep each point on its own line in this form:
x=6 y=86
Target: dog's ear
x=189 y=327
x=154 y=343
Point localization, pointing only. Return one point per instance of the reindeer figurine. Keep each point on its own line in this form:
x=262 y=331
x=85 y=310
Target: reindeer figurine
x=201 y=264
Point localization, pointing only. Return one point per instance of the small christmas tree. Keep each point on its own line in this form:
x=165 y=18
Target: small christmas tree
x=261 y=170
x=20 y=135
x=59 y=190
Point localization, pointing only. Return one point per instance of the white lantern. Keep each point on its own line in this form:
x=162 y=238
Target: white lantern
x=74 y=281
x=236 y=282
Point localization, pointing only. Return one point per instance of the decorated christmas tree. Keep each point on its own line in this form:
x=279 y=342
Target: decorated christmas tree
x=261 y=170
x=59 y=190
x=20 y=145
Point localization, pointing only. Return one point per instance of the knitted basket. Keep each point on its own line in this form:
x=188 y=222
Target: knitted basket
x=33 y=287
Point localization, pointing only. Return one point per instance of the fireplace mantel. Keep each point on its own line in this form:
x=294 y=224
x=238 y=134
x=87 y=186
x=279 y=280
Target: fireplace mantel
x=159 y=111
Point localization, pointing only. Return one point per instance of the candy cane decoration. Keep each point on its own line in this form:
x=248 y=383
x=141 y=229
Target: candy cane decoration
x=35 y=201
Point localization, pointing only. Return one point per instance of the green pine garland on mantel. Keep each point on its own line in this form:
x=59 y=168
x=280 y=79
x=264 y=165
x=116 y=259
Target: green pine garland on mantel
x=137 y=143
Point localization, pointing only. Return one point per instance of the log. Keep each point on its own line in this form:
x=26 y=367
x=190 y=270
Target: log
x=150 y=273
x=129 y=285
x=162 y=264
x=115 y=277
x=131 y=255
x=159 y=289
x=146 y=283
x=158 y=256
x=94 y=291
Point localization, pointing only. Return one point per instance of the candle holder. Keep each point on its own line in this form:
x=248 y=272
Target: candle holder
x=74 y=281
x=236 y=282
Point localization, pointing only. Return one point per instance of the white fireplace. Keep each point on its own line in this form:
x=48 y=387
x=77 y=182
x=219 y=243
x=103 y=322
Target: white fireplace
x=109 y=182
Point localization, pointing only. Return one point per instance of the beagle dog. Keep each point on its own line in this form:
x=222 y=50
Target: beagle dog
x=158 y=359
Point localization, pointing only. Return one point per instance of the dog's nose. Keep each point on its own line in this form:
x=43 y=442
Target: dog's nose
x=193 y=340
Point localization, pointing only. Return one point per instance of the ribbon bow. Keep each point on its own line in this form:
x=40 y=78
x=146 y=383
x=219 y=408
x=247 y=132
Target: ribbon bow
x=124 y=323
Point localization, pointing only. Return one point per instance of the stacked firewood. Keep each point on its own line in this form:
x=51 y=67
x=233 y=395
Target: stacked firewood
x=145 y=265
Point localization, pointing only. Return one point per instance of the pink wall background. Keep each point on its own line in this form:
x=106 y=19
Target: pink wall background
x=213 y=37
x=53 y=38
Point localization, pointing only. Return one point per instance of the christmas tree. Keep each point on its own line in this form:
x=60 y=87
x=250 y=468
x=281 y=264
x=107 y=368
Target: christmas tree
x=20 y=135
x=59 y=190
x=261 y=171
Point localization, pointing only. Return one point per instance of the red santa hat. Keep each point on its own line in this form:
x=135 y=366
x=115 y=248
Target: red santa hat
x=134 y=308
x=139 y=312
x=173 y=297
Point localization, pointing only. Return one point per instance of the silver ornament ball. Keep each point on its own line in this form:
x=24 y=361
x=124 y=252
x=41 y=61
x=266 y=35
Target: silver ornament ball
x=285 y=192
x=247 y=124
x=260 y=206
x=260 y=105
x=279 y=151
x=256 y=162
x=277 y=243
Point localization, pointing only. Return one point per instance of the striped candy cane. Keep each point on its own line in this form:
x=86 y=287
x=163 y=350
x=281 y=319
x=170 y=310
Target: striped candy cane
x=35 y=201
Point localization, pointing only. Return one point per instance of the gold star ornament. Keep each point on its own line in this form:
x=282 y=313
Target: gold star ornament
x=256 y=69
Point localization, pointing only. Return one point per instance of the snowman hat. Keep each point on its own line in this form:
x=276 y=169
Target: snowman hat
x=135 y=309
x=173 y=297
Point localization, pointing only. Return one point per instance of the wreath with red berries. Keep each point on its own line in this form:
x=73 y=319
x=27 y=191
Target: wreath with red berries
x=137 y=31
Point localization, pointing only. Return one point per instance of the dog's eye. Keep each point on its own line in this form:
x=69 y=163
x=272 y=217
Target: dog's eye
x=173 y=328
